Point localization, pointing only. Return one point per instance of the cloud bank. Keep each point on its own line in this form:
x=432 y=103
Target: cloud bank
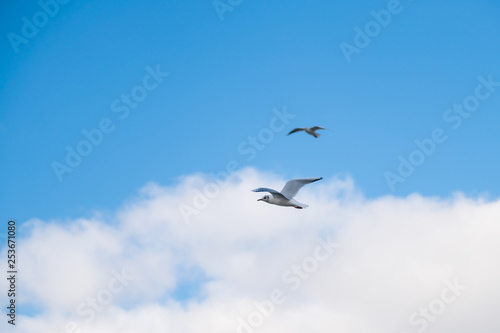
x=345 y=264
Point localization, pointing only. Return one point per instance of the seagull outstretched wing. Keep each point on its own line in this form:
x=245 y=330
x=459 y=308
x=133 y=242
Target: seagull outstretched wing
x=295 y=130
x=270 y=190
x=293 y=186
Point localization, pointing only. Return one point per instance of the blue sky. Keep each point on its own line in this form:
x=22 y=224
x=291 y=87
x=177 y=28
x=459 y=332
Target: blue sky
x=208 y=82
x=225 y=79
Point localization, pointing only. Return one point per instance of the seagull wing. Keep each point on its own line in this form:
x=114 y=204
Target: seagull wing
x=295 y=130
x=274 y=192
x=293 y=186
x=315 y=128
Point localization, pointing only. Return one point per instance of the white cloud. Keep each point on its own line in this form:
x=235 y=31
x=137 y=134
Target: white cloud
x=394 y=257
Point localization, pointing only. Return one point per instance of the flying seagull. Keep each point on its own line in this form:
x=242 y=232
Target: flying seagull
x=308 y=130
x=285 y=197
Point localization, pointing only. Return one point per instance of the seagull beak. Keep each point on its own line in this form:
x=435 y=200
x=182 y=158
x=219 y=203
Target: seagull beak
x=259 y=199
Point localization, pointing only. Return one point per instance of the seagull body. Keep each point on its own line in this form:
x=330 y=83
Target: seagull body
x=285 y=197
x=308 y=130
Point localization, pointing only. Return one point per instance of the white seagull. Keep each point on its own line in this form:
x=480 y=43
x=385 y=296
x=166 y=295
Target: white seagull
x=285 y=197
x=308 y=130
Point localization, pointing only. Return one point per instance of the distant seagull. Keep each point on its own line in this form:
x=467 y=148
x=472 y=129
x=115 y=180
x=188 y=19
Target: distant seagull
x=309 y=130
x=285 y=197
